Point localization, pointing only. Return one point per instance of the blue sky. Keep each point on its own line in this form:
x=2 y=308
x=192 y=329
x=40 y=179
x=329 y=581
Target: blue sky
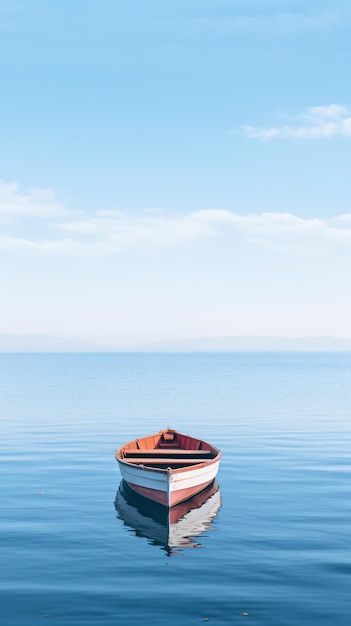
x=175 y=170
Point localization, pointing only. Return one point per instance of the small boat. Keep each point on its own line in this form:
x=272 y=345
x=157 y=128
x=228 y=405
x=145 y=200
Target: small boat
x=171 y=528
x=168 y=467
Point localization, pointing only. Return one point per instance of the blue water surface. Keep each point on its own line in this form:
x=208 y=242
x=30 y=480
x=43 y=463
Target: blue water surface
x=277 y=552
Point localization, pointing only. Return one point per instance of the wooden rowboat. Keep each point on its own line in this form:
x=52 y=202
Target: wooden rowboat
x=168 y=467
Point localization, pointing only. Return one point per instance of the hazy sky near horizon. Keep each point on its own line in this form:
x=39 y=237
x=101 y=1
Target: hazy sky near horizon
x=175 y=170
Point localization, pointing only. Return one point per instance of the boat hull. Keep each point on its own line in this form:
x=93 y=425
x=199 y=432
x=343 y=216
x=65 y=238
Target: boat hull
x=169 y=498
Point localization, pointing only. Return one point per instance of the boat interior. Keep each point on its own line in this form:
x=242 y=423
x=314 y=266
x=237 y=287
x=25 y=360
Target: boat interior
x=167 y=449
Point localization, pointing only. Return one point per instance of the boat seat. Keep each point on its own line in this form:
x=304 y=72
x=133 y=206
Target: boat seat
x=164 y=461
x=176 y=453
x=168 y=436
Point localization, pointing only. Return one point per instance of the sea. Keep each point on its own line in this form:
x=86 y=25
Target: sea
x=268 y=545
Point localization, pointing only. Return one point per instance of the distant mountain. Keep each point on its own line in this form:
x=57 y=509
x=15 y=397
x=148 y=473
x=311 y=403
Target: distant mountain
x=251 y=344
x=43 y=343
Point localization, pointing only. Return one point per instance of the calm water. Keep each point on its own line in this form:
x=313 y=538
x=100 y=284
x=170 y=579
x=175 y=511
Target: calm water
x=272 y=547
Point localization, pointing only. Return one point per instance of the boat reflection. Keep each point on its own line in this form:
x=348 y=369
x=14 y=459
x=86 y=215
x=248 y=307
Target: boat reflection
x=173 y=528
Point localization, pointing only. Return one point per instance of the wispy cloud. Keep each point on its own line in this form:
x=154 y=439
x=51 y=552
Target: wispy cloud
x=35 y=202
x=56 y=230
x=314 y=123
x=281 y=232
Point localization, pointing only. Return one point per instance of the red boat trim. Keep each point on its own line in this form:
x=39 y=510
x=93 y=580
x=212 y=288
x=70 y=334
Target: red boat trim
x=185 y=494
x=152 y=494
